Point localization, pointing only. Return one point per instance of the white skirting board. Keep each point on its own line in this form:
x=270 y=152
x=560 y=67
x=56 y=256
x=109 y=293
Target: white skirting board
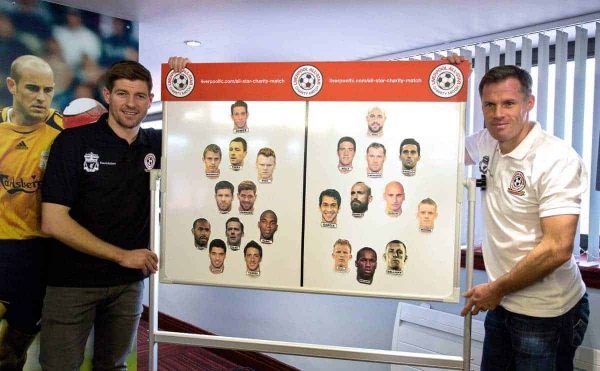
x=424 y=330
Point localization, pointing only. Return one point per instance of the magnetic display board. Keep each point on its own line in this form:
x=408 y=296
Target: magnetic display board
x=332 y=177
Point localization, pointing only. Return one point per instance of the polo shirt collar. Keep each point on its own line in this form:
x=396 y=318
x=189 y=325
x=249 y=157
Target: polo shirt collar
x=140 y=140
x=525 y=146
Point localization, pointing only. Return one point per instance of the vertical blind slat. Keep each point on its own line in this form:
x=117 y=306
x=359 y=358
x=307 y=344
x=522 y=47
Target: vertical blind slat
x=526 y=53
x=579 y=102
x=494 y=55
x=579 y=105
x=510 y=52
x=542 y=83
x=594 y=218
x=480 y=54
x=560 y=83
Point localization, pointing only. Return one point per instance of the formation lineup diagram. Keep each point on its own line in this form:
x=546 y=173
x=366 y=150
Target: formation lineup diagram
x=332 y=177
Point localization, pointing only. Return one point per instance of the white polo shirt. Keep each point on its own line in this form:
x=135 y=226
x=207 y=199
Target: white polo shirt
x=542 y=177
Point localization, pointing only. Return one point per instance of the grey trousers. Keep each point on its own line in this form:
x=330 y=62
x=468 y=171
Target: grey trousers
x=67 y=319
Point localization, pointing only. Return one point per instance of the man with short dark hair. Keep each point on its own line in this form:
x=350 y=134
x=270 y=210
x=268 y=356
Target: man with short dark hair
x=246 y=196
x=366 y=264
x=536 y=300
x=239 y=116
x=253 y=256
x=267 y=225
x=329 y=204
x=27 y=130
x=96 y=204
x=201 y=233
x=224 y=196
x=375 y=160
x=237 y=153
x=217 y=252
x=410 y=154
x=346 y=149
x=234 y=229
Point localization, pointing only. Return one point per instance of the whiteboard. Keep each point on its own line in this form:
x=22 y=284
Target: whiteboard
x=304 y=134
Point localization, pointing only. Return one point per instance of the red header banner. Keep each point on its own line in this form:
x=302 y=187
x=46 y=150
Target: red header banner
x=411 y=81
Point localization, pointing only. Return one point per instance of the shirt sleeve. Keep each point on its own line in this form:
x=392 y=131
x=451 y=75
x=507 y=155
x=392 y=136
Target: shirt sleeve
x=472 y=146
x=561 y=186
x=60 y=179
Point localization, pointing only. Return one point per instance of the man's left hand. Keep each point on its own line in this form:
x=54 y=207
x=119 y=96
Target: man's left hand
x=481 y=298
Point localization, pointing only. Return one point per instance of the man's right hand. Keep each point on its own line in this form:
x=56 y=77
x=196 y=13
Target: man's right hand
x=178 y=63
x=142 y=259
x=455 y=58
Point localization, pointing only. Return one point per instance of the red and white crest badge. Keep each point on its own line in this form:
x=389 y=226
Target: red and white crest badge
x=517 y=184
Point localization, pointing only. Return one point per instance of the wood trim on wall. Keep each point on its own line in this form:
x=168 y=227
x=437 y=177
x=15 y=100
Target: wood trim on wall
x=252 y=360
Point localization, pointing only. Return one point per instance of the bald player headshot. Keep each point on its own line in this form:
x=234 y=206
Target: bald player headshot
x=217 y=251
x=410 y=154
x=360 y=198
x=341 y=255
x=212 y=159
x=375 y=121
x=366 y=264
x=265 y=165
x=329 y=205
x=395 y=257
x=253 y=254
x=394 y=197
x=346 y=149
x=239 y=116
x=267 y=225
x=237 y=153
x=427 y=212
x=201 y=233
x=375 y=160
x=246 y=196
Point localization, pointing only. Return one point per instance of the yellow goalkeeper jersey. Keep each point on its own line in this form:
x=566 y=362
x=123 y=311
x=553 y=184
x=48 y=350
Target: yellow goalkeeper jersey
x=24 y=152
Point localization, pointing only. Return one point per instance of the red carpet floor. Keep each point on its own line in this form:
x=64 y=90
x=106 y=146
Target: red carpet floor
x=172 y=357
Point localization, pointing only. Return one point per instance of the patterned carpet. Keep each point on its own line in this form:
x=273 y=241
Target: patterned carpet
x=172 y=357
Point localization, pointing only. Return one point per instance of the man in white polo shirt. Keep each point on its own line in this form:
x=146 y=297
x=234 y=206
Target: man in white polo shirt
x=536 y=300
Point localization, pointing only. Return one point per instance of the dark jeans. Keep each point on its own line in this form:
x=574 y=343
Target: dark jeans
x=519 y=342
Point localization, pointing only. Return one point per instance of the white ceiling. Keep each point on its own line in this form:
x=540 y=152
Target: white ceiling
x=334 y=30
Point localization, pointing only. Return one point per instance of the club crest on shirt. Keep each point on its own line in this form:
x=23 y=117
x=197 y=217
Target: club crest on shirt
x=483 y=164
x=149 y=161
x=90 y=163
x=517 y=184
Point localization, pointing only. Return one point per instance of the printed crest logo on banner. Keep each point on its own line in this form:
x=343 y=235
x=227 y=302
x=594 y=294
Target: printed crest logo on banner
x=446 y=80
x=307 y=81
x=149 y=161
x=180 y=84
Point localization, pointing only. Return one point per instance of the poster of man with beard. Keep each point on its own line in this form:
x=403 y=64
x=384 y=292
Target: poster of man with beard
x=360 y=198
x=201 y=233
